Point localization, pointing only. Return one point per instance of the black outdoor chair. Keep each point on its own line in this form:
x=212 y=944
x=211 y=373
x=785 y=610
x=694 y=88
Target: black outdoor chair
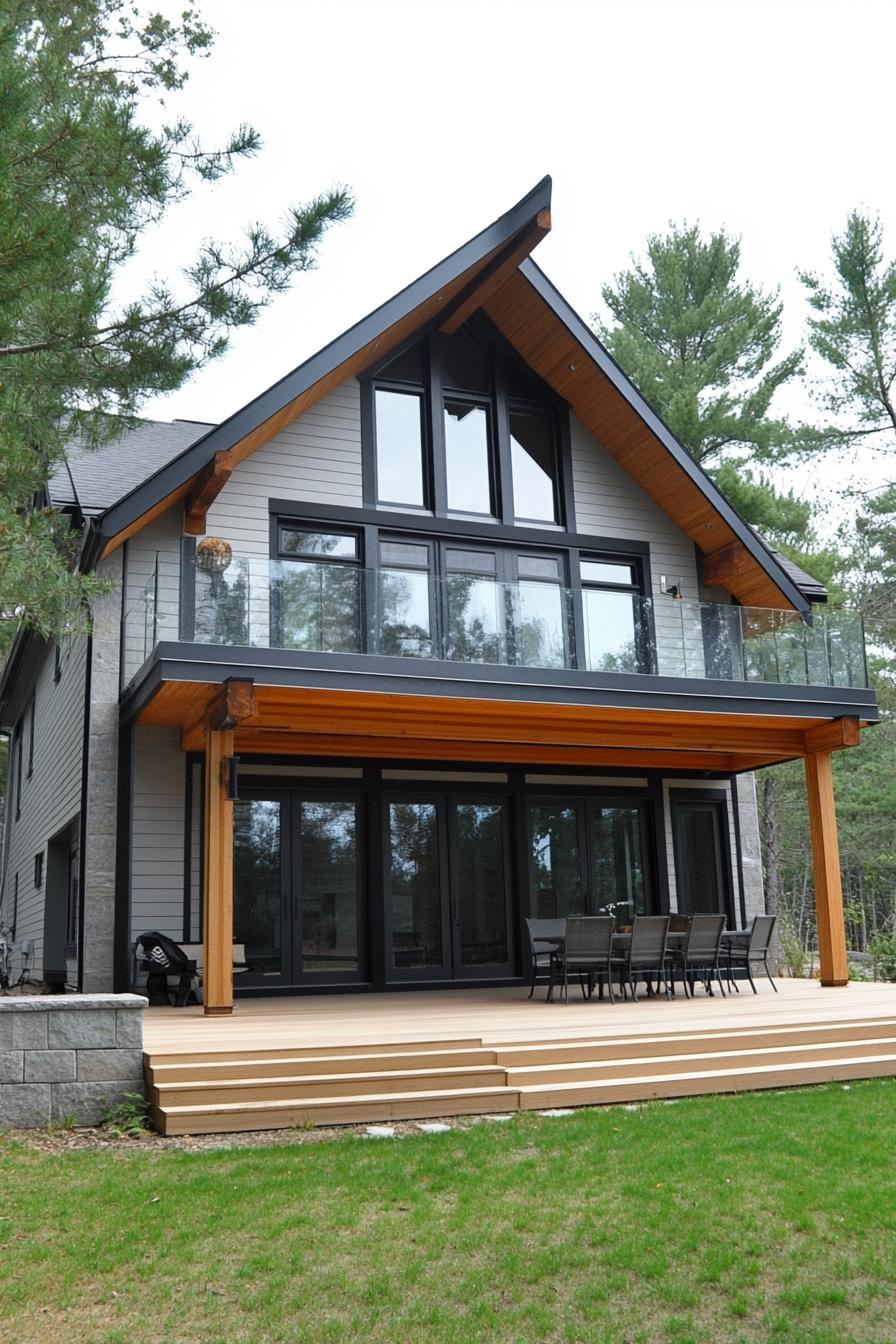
x=587 y=952
x=699 y=953
x=162 y=959
x=540 y=950
x=645 y=954
x=749 y=948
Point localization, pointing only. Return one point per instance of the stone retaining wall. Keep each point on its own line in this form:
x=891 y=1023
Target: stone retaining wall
x=67 y=1055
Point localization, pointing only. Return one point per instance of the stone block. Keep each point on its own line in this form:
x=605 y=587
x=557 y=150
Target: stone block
x=88 y=1029
x=50 y=1066
x=100 y=1066
x=29 y=1030
x=25 y=1107
x=87 y=1102
x=11 y=1067
x=129 y=1028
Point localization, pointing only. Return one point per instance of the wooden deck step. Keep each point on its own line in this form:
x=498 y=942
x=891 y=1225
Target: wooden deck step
x=238 y=1090
x=583 y=1070
x=191 y=1054
x=295 y=1064
x=362 y=1109
x=749 y=1078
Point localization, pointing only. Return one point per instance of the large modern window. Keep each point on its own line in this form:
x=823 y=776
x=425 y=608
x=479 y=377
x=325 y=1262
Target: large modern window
x=460 y=429
x=319 y=590
x=615 y=626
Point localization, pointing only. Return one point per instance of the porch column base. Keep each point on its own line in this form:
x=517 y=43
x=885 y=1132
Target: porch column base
x=834 y=984
x=217 y=1010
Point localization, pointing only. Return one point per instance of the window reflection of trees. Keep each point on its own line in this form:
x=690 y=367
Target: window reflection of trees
x=256 y=877
x=328 y=864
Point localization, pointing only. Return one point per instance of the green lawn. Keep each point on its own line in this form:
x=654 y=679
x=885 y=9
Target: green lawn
x=753 y=1218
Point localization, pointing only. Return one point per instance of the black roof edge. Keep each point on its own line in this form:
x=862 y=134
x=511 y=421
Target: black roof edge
x=24 y=651
x=176 y=473
x=656 y=425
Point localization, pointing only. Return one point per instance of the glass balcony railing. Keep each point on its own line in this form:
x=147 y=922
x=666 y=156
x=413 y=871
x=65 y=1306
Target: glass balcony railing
x=331 y=607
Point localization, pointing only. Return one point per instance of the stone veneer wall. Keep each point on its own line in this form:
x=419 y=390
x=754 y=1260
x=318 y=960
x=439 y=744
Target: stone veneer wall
x=68 y=1055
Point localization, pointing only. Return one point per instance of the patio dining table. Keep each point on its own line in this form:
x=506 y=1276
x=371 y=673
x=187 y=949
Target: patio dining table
x=621 y=939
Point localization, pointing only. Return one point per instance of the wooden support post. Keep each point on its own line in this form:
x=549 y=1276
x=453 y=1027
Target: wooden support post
x=826 y=863
x=218 y=903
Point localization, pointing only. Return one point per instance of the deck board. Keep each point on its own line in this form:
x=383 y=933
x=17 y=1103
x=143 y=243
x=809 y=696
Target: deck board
x=498 y=1016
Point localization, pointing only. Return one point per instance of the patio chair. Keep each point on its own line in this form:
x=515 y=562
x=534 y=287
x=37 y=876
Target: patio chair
x=698 y=952
x=540 y=950
x=586 y=952
x=645 y=953
x=749 y=948
x=161 y=957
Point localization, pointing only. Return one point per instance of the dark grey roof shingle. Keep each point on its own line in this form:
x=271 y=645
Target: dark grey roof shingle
x=103 y=476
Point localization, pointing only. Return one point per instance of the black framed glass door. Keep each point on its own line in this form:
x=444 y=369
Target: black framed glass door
x=447 y=885
x=702 y=857
x=297 y=870
x=588 y=856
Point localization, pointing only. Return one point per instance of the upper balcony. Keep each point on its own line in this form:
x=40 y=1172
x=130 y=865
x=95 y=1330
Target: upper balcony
x=246 y=602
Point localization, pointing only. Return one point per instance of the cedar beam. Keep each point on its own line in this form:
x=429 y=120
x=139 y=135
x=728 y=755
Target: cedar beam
x=495 y=276
x=208 y=486
x=217 y=928
x=722 y=566
x=826 y=865
x=231 y=703
x=833 y=736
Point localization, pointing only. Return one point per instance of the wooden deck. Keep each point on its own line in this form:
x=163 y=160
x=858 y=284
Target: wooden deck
x=332 y=1059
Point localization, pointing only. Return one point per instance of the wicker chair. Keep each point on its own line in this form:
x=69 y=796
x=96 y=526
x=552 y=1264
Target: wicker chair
x=540 y=950
x=587 y=952
x=699 y=952
x=752 y=947
x=645 y=954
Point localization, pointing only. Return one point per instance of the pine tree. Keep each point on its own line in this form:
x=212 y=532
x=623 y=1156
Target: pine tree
x=81 y=177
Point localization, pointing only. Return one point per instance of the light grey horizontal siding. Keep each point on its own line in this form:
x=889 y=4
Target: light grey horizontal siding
x=317 y=458
x=51 y=798
x=157 y=834
x=610 y=504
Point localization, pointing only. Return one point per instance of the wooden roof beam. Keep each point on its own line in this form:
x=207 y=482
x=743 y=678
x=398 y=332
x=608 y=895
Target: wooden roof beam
x=497 y=273
x=721 y=568
x=834 y=736
x=229 y=705
x=209 y=484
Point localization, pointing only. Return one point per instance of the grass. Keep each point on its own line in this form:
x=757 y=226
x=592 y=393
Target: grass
x=764 y=1217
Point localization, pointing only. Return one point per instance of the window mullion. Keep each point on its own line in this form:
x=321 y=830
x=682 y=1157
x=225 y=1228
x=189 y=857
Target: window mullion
x=503 y=469
x=438 y=468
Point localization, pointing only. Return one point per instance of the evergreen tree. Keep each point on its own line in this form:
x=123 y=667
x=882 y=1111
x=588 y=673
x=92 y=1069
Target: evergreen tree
x=702 y=345
x=81 y=177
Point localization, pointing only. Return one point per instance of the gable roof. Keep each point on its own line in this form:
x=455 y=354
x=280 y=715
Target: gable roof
x=492 y=271
x=95 y=479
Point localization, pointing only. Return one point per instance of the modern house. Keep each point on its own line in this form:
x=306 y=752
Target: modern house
x=442 y=630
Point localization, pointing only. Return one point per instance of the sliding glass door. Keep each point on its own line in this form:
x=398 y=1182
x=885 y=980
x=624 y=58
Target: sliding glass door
x=447 y=885
x=587 y=856
x=297 y=897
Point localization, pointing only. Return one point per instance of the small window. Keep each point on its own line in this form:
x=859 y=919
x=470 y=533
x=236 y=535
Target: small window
x=57 y=662
x=399 y=448
x=408 y=367
x=31 y=738
x=533 y=458
x=17 y=748
x=14 y=922
x=72 y=903
x=468 y=457
x=323 y=545
x=39 y=869
x=470 y=562
x=605 y=572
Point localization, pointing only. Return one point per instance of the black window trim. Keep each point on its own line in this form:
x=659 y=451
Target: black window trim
x=31 y=734
x=18 y=744
x=435 y=505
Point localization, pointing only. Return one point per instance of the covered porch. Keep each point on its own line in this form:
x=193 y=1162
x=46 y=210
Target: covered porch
x=560 y=726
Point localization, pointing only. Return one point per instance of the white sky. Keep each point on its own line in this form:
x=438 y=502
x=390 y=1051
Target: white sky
x=770 y=119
